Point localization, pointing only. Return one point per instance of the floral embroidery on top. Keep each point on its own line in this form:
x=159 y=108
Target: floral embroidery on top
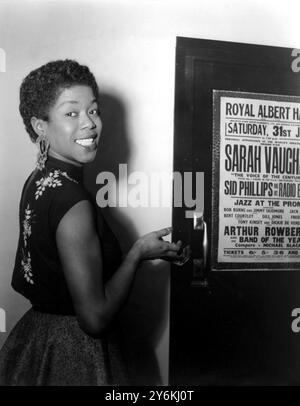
x=67 y=176
x=26 y=261
x=52 y=180
x=27 y=224
x=27 y=269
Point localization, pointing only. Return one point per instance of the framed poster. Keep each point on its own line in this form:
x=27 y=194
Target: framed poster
x=256 y=181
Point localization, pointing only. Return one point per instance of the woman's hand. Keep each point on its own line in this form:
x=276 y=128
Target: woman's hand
x=152 y=246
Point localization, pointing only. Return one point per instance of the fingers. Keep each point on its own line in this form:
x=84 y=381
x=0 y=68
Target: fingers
x=187 y=250
x=174 y=246
x=171 y=246
x=178 y=258
x=163 y=232
x=179 y=243
x=172 y=255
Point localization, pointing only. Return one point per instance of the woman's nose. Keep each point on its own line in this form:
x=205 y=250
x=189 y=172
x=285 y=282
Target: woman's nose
x=87 y=122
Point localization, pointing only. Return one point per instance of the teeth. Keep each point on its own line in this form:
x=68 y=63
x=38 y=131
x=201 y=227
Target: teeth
x=86 y=142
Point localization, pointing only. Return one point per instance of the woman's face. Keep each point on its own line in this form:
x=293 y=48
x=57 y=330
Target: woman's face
x=74 y=125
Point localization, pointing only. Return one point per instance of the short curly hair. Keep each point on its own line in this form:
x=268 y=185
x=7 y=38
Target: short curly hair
x=41 y=88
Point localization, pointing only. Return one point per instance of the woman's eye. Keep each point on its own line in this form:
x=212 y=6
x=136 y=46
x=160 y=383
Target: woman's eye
x=71 y=114
x=94 y=111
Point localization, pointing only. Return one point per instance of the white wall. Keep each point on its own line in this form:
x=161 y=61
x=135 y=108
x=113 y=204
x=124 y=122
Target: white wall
x=130 y=46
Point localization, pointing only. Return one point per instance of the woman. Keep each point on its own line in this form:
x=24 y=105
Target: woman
x=63 y=264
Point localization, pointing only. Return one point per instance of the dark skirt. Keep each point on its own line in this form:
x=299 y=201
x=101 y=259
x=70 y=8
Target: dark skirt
x=50 y=349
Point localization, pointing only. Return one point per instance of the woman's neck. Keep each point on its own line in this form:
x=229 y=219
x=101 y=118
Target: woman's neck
x=54 y=154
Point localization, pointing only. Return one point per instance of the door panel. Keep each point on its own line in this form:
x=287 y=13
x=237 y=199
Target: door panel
x=236 y=330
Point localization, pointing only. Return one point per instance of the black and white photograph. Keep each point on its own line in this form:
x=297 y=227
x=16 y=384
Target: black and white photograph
x=149 y=195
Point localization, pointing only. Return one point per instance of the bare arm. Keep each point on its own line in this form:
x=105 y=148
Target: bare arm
x=79 y=248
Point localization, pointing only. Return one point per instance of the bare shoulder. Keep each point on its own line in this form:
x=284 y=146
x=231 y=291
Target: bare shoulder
x=78 y=222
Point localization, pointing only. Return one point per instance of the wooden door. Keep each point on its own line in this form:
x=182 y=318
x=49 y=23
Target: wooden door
x=234 y=326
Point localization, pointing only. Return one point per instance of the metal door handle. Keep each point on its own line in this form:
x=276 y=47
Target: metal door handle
x=201 y=252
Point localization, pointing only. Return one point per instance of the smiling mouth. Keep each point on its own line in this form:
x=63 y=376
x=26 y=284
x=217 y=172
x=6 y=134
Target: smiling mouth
x=86 y=142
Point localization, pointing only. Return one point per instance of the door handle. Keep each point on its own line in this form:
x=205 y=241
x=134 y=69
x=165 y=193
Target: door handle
x=199 y=251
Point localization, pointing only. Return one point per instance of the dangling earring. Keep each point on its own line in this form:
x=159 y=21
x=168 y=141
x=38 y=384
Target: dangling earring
x=43 y=146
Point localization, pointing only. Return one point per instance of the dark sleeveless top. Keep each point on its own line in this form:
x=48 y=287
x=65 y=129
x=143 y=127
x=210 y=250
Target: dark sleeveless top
x=46 y=197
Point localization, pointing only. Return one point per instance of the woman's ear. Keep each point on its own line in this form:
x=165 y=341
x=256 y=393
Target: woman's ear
x=38 y=125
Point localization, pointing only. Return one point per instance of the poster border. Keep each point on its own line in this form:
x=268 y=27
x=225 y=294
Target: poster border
x=236 y=266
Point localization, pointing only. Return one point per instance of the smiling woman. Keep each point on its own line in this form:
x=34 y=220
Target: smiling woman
x=73 y=126
x=75 y=284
